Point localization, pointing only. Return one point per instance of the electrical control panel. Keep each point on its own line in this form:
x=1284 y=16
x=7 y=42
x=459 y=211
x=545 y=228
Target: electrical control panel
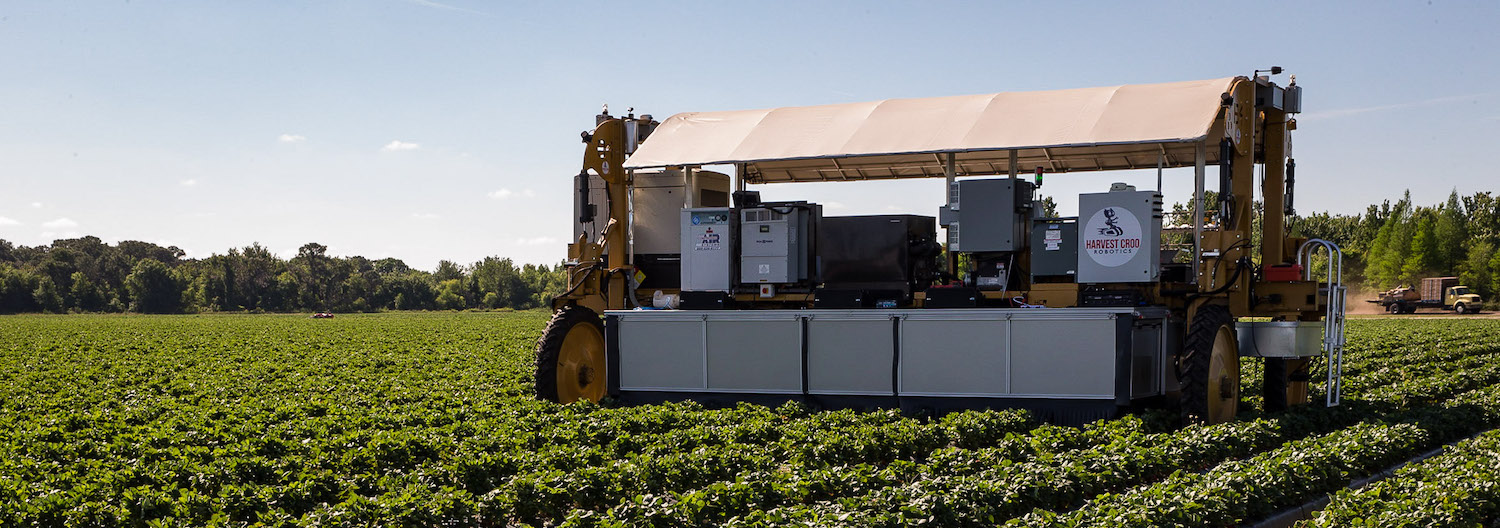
x=988 y=215
x=776 y=242
x=708 y=246
x=1054 y=248
x=1119 y=236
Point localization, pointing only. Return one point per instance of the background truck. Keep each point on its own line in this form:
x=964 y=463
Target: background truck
x=1436 y=292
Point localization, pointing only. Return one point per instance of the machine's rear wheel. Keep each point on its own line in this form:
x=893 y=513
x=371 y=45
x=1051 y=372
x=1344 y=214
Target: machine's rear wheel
x=1394 y=308
x=570 y=363
x=1211 y=367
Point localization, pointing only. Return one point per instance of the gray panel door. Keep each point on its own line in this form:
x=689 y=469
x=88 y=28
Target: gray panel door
x=953 y=357
x=850 y=356
x=661 y=354
x=1074 y=357
x=755 y=355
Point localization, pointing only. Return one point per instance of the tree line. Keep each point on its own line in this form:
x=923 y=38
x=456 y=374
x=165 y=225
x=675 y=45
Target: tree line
x=88 y=275
x=1389 y=244
x=1393 y=244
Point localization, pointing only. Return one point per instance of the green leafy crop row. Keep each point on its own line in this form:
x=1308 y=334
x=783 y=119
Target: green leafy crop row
x=428 y=419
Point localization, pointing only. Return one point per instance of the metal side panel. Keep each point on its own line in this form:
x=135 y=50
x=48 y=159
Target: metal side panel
x=1065 y=357
x=661 y=353
x=851 y=353
x=955 y=353
x=755 y=352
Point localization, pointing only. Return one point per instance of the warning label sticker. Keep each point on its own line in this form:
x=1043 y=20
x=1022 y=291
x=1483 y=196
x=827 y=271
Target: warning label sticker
x=1112 y=237
x=1053 y=240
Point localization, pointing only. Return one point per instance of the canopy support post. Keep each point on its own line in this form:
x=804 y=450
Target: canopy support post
x=1159 y=161
x=950 y=176
x=1200 y=159
x=688 y=180
x=1014 y=164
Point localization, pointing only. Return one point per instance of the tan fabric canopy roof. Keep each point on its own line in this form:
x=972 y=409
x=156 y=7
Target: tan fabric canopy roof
x=1117 y=127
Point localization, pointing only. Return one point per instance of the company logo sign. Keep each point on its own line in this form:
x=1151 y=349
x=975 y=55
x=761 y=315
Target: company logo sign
x=1112 y=237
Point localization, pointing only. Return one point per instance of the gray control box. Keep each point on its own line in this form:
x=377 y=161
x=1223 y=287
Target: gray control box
x=775 y=242
x=1054 y=248
x=985 y=215
x=1119 y=237
x=708 y=244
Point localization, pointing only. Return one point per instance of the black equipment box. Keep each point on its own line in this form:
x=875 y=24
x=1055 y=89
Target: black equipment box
x=826 y=298
x=879 y=252
x=952 y=298
x=1111 y=298
x=705 y=300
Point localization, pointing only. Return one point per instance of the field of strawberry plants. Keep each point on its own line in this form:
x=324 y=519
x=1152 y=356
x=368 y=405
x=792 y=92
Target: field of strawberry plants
x=424 y=419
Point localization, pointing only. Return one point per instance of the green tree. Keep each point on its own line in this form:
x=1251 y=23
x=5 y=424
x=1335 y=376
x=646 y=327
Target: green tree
x=1392 y=245
x=153 y=288
x=491 y=300
x=1425 y=253
x=84 y=294
x=47 y=296
x=450 y=295
x=448 y=270
x=1475 y=270
x=1451 y=231
x=316 y=280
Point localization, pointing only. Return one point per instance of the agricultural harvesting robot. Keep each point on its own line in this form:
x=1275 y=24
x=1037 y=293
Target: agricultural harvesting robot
x=684 y=284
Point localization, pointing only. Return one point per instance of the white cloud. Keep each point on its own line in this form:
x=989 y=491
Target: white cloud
x=53 y=235
x=36 y=205
x=291 y=138
x=1345 y=112
x=8 y=221
x=438 y=5
x=188 y=182
x=536 y=241
x=425 y=216
x=396 y=146
x=507 y=193
x=60 y=223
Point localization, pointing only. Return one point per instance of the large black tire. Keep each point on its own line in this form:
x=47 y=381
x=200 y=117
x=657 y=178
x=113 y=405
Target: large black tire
x=549 y=352
x=1196 y=363
x=1460 y=309
x=1393 y=308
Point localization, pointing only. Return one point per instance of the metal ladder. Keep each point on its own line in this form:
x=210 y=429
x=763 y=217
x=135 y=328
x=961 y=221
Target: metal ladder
x=1333 y=320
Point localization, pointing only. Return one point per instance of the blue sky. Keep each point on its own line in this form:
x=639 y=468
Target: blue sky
x=427 y=130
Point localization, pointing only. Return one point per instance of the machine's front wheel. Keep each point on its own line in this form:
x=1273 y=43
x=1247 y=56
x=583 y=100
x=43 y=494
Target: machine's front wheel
x=570 y=362
x=1211 y=367
x=1460 y=309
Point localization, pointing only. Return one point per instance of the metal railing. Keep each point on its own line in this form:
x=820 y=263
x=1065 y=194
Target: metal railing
x=1333 y=320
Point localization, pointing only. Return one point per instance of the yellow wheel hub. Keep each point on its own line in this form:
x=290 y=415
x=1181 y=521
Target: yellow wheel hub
x=580 y=365
x=1223 y=378
x=1296 y=391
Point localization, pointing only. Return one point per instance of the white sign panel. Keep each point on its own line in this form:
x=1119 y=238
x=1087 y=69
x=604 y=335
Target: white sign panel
x=1112 y=236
